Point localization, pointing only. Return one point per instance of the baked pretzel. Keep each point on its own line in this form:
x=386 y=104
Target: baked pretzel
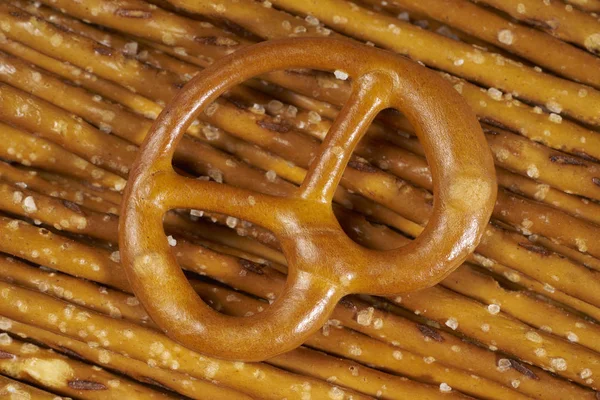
x=299 y=220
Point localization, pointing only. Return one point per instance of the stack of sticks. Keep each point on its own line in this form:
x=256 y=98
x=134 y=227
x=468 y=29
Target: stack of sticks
x=81 y=82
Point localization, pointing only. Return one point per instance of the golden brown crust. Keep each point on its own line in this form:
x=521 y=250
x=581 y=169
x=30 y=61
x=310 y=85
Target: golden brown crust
x=556 y=19
x=529 y=43
x=64 y=375
x=12 y=389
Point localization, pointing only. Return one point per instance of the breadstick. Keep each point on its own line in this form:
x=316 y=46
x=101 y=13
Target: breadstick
x=559 y=20
x=56 y=125
x=141 y=371
x=525 y=42
x=22 y=360
x=11 y=389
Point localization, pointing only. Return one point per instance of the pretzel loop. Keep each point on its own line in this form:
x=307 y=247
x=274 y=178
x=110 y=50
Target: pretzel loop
x=324 y=264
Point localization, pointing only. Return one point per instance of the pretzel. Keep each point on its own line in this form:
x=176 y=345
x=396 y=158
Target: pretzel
x=564 y=22
x=246 y=338
x=19 y=390
x=22 y=360
x=526 y=42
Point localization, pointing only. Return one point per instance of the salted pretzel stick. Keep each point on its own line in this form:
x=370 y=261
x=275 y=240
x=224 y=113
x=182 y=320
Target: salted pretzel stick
x=141 y=371
x=401 y=37
x=60 y=214
x=22 y=147
x=54 y=124
x=523 y=214
x=592 y=6
x=22 y=360
x=585 y=259
x=67 y=183
x=39 y=245
x=11 y=389
x=530 y=345
x=108 y=301
x=472 y=285
x=315 y=89
x=564 y=22
x=103 y=87
x=526 y=42
x=274 y=383
x=483 y=288
x=128 y=47
x=331 y=338
x=530 y=159
x=21 y=178
x=574 y=205
x=374 y=330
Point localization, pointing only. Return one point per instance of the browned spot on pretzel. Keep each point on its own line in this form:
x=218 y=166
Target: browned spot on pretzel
x=103 y=50
x=273 y=126
x=585 y=156
x=216 y=41
x=72 y=206
x=567 y=160
x=541 y=24
x=362 y=166
x=6 y=356
x=431 y=333
x=252 y=266
x=596 y=181
x=523 y=369
x=86 y=385
x=127 y=13
x=493 y=122
x=535 y=248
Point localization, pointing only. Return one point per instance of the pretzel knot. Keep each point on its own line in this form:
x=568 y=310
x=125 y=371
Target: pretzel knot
x=324 y=263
